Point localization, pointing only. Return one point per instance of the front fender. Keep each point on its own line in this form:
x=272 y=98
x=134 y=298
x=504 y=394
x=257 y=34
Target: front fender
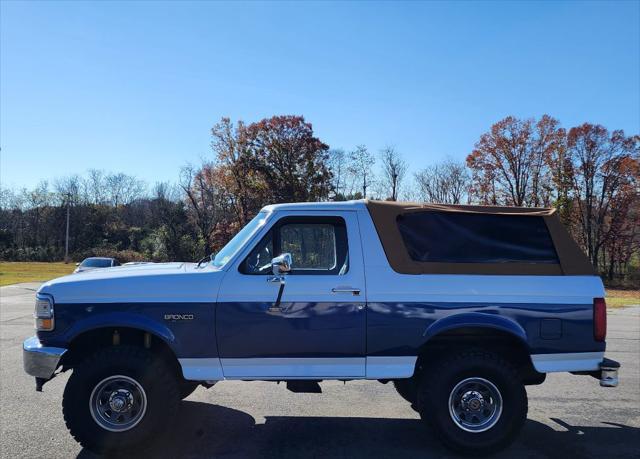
x=477 y=320
x=124 y=320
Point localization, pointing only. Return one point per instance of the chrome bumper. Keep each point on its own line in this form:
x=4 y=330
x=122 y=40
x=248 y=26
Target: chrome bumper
x=40 y=361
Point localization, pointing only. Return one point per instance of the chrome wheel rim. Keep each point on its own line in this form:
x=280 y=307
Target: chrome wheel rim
x=475 y=405
x=118 y=403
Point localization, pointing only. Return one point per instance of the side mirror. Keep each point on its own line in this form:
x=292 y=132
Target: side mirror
x=77 y=264
x=281 y=264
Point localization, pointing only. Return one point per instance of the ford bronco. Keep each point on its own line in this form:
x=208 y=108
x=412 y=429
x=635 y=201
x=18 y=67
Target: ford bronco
x=459 y=307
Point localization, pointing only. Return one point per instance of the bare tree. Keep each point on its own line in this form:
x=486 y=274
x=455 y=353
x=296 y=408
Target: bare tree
x=123 y=188
x=394 y=169
x=361 y=168
x=448 y=183
x=206 y=200
x=94 y=187
x=338 y=166
x=68 y=190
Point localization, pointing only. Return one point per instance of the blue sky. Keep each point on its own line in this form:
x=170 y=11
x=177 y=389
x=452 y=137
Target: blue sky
x=135 y=87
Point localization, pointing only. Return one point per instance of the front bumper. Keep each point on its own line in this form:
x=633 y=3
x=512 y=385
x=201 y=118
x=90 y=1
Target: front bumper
x=40 y=361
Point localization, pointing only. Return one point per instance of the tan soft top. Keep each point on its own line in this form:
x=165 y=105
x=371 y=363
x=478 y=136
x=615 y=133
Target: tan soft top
x=384 y=215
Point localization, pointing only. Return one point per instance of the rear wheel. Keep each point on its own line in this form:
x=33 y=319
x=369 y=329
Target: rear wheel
x=119 y=398
x=474 y=401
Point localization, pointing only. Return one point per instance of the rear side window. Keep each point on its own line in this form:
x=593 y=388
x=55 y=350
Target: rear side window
x=456 y=237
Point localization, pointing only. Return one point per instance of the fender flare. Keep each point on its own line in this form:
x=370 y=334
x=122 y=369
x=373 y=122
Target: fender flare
x=478 y=320
x=124 y=320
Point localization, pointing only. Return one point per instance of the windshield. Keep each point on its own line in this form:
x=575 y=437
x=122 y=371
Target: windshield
x=224 y=255
x=96 y=263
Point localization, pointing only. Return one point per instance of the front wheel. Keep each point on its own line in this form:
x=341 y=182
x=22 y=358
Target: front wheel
x=187 y=388
x=474 y=401
x=119 y=398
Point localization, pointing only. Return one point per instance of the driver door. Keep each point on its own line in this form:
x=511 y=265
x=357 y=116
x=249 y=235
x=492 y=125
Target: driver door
x=318 y=328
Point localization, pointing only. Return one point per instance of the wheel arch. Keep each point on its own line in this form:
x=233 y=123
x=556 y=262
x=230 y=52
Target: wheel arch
x=87 y=341
x=477 y=330
x=479 y=321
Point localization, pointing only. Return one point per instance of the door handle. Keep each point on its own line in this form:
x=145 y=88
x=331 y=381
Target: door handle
x=354 y=291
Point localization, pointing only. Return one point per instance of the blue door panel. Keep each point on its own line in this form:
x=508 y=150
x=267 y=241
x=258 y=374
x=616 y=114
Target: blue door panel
x=251 y=330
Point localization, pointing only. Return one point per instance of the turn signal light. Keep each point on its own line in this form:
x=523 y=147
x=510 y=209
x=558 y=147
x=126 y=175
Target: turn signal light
x=44 y=324
x=599 y=319
x=45 y=320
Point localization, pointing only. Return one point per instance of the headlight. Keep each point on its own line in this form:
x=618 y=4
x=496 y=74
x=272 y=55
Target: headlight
x=44 y=313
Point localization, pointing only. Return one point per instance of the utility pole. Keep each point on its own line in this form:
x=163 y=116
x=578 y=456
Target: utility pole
x=66 y=242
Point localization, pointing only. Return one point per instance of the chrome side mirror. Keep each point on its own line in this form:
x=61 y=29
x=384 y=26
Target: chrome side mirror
x=281 y=264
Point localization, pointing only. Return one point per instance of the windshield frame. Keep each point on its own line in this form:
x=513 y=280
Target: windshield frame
x=241 y=239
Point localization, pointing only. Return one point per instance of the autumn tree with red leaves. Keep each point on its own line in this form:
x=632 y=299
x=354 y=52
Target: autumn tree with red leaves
x=589 y=174
x=274 y=160
x=604 y=185
x=509 y=163
x=232 y=147
x=292 y=162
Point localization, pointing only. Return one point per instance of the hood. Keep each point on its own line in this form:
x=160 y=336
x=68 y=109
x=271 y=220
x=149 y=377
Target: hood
x=152 y=282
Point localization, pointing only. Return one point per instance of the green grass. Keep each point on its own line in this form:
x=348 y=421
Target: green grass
x=16 y=272
x=621 y=298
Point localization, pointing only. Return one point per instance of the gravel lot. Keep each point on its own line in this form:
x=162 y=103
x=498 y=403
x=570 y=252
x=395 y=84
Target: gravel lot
x=569 y=416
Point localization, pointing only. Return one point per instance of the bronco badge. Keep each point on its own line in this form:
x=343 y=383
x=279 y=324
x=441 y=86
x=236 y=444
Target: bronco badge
x=178 y=317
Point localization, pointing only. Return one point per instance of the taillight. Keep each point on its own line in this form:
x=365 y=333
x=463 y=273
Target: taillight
x=599 y=319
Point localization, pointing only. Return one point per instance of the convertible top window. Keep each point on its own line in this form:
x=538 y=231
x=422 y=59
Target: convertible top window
x=449 y=237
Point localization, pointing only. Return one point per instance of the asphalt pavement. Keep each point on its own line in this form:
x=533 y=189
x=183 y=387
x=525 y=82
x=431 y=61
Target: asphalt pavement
x=569 y=416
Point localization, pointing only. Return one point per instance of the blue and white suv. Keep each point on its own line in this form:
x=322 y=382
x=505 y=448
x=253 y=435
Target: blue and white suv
x=460 y=307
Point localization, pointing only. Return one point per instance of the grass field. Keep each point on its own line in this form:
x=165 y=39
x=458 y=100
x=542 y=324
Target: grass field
x=619 y=298
x=15 y=272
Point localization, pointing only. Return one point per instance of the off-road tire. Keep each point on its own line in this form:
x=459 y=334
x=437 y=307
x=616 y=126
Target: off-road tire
x=407 y=389
x=151 y=372
x=441 y=376
x=187 y=388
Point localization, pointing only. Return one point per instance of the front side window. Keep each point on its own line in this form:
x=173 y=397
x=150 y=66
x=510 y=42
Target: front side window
x=311 y=245
x=318 y=245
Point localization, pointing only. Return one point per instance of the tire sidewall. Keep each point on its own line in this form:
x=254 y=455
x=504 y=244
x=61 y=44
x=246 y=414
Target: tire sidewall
x=434 y=405
x=143 y=369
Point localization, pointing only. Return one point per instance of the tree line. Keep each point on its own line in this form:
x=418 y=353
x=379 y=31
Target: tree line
x=590 y=174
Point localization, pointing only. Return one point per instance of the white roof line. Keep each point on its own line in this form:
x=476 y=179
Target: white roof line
x=340 y=205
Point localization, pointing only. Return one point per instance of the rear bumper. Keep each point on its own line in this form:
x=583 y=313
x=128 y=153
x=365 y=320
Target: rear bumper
x=607 y=373
x=582 y=363
x=40 y=361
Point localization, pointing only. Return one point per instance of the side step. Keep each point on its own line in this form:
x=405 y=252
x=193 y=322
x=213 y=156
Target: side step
x=307 y=387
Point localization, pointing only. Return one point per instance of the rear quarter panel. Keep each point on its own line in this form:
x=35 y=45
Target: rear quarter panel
x=404 y=311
